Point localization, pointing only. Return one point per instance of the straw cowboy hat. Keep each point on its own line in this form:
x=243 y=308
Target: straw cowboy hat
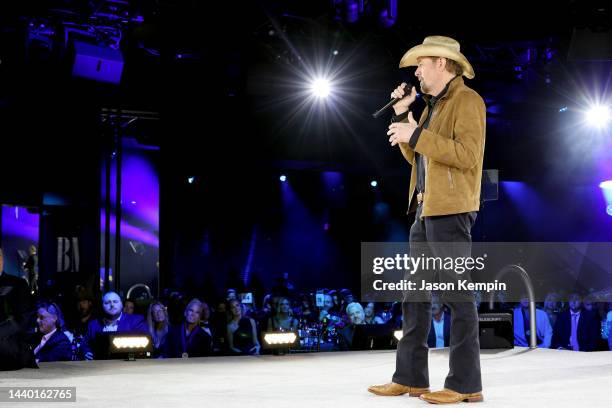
x=438 y=46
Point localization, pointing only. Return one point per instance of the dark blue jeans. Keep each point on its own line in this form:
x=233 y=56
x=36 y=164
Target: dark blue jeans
x=412 y=351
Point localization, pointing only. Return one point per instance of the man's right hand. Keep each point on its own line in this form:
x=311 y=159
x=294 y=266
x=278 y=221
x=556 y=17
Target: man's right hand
x=399 y=92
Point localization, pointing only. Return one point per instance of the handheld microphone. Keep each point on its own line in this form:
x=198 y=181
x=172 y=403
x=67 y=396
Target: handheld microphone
x=391 y=102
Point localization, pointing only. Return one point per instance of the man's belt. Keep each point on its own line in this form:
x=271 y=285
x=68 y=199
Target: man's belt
x=420 y=197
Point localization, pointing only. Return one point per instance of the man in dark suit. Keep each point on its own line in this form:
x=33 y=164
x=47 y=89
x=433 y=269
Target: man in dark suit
x=15 y=353
x=53 y=344
x=113 y=321
x=439 y=333
x=576 y=329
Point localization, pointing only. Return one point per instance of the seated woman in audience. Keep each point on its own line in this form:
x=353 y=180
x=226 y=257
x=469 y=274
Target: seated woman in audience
x=53 y=344
x=370 y=316
x=159 y=324
x=188 y=339
x=306 y=309
x=283 y=320
x=241 y=331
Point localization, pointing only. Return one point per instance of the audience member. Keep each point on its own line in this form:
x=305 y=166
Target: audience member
x=439 y=333
x=113 y=320
x=370 y=315
x=551 y=307
x=52 y=343
x=159 y=324
x=576 y=329
x=241 y=331
x=283 y=320
x=355 y=313
x=129 y=306
x=544 y=331
x=189 y=339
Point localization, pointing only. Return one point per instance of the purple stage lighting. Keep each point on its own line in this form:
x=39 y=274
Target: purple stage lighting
x=17 y=222
x=606 y=189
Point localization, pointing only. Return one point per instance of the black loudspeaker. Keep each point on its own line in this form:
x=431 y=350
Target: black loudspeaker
x=372 y=337
x=590 y=45
x=496 y=330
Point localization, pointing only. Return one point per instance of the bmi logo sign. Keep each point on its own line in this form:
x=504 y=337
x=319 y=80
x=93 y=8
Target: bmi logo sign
x=67 y=254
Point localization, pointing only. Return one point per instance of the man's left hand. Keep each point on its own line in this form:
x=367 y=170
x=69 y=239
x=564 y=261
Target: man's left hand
x=401 y=132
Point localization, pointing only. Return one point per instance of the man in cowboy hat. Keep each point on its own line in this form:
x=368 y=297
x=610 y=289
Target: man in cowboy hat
x=445 y=149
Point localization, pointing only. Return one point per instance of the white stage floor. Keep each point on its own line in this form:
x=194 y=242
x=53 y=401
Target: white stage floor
x=511 y=378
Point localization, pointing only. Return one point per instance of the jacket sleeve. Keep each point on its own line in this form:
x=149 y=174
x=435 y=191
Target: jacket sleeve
x=59 y=350
x=466 y=148
x=406 y=150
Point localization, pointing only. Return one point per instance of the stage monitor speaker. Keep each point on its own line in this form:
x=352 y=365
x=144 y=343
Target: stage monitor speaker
x=590 y=45
x=373 y=337
x=496 y=330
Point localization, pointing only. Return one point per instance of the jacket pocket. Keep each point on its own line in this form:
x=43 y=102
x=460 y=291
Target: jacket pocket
x=450 y=178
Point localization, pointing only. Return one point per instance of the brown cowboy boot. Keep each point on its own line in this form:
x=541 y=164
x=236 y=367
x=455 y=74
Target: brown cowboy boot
x=394 y=389
x=447 y=396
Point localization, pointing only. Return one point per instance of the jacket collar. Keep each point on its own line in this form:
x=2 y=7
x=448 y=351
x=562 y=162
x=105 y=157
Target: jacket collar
x=447 y=91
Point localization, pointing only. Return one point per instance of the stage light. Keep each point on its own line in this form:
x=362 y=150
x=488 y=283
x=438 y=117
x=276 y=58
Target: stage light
x=190 y=180
x=598 y=116
x=130 y=346
x=335 y=52
x=133 y=202
x=130 y=342
x=563 y=109
x=374 y=183
x=280 y=338
x=321 y=88
x=398 y=334
x=283 y=178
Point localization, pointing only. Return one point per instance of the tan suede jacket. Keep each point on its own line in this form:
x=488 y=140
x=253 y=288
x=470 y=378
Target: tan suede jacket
x=454 y=146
